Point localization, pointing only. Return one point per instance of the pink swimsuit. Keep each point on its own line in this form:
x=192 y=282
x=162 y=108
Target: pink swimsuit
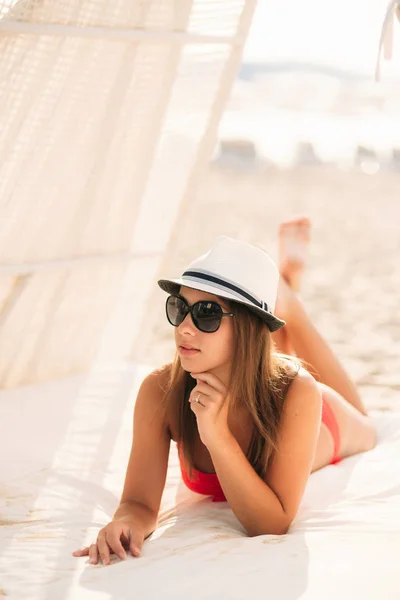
x=208 y=483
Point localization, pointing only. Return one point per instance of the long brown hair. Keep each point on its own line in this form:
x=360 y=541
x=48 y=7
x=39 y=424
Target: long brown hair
x=259 y=380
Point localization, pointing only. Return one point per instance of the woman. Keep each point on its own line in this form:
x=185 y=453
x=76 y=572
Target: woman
x=250 y=421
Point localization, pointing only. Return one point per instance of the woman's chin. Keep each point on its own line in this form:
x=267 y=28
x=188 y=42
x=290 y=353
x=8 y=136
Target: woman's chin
x=189 y=363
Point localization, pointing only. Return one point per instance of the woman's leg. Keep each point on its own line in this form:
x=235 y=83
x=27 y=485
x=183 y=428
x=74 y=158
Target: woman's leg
x=282 y=342
x=294 y=237
x=302 y=338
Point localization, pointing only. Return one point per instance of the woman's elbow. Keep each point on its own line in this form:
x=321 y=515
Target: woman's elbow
x=275 y=529
x=271 y=531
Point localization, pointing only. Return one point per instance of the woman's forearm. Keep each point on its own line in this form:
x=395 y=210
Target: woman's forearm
x=255 y=505
x=144 y=518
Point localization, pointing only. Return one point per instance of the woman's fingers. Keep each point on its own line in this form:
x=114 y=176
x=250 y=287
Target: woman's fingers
x=210 y=379
x=203 y=388
x=115 y=538
x=199 y=393
x=81 y=552
x=93 y=554
x=135 y=542
x=103 y=549
x=114 y=541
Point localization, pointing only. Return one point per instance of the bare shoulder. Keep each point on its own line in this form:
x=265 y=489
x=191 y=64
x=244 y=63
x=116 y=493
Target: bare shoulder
x=158 y=379
x=303 y=392
x=152 y=392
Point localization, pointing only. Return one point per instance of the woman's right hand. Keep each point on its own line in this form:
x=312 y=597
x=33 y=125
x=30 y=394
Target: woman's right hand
x=116 y=537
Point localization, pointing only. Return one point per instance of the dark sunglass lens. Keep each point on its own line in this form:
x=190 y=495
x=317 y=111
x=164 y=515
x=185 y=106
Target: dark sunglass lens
x=207 y=316
x=176 y=310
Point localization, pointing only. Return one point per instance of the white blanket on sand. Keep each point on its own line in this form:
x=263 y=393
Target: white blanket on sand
x=64 y=450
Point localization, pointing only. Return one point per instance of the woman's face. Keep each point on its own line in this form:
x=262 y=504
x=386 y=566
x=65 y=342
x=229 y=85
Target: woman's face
x=214 y=350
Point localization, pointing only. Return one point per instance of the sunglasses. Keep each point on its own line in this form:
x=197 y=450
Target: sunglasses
x=206 y=315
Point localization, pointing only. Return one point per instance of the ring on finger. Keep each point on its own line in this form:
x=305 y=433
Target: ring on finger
x=197 y=398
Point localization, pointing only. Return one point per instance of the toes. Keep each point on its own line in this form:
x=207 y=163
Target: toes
x=287 y=225
x=305 y=221
x=293 y=223
x=305 y=225
x=298 y=227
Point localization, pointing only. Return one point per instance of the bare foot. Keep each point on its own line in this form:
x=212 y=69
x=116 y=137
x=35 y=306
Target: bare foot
x=294 y=236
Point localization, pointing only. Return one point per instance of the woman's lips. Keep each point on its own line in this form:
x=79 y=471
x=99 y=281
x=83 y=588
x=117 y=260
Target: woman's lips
x=187 y=351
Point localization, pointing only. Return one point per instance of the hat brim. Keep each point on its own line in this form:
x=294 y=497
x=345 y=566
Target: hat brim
x=171 y=286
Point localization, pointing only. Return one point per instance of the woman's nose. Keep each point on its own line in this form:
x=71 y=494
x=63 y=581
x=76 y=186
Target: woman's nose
x=187 y=325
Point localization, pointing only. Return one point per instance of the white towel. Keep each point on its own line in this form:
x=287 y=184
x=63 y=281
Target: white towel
x=64 y=451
